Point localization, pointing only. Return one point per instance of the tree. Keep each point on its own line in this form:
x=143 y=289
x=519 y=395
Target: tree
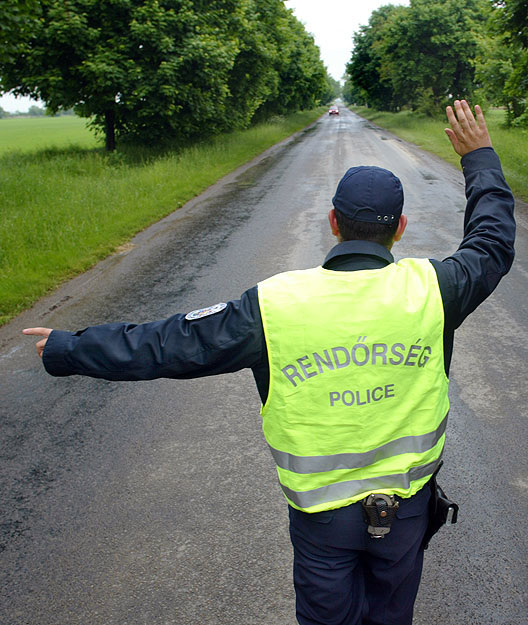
x=333 y=90
x=509 y=30
x=427 y=51
x=512 y=15
x=18 y=19
x=422 y=56
x=303 y=75
x=299 y=74
x=167 y=69
x=353 y=94
x=365 y=66
x=149 y=68
x=252 y=78
x=36 y=111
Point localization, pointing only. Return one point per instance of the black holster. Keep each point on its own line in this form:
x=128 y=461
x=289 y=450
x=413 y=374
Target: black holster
x=441 y=509
x=379 y=511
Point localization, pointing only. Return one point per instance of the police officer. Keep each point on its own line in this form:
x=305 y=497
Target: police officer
x=351 y=361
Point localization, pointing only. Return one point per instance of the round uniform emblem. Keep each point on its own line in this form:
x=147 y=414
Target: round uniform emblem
x=205 y=312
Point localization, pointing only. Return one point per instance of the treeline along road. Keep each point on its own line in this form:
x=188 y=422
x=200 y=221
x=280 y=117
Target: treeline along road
x=156 y=502
x=162 y=71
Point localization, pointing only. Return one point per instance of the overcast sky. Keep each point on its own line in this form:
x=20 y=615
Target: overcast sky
x=331 y=22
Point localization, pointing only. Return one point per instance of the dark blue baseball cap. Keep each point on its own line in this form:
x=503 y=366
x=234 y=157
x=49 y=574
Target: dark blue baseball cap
x=369 y=193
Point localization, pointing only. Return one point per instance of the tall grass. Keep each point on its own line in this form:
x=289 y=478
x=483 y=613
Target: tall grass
x=62 y=210
x=510 y=143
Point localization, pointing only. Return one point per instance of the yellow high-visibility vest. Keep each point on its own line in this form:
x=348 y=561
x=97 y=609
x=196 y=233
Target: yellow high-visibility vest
x=358 y=395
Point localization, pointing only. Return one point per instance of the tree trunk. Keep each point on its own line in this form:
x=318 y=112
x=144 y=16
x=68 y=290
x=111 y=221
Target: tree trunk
x=110 y=131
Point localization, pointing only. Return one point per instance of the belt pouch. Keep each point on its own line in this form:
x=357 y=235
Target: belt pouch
x=379 y=511
x=441 y=509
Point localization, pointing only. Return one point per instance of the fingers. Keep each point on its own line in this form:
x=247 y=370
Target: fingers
x=480 y=118
x=38 y=331
x=466 y=133
x=465 y=116
x=40 y=346
x=455 y=132
x=451 y=118
x=45 y=332
x=452 y=137
x=460 y=122
x=461 y=112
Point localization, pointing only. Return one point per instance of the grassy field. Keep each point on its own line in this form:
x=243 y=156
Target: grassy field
x=511 y=144
x=65 y=208
x=27 y=134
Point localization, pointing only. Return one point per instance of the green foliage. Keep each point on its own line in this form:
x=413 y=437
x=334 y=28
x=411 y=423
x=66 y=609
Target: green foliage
x=504 y=69
x=299 y=74
x=153 y=70
x=333 y=91
x=19 y=17
x=427 y=54
x=253 y=78
x=516 y=92
x=353 y=94
x=512 y=16
x=35 y=111
x=493 y=67
x=365 y=68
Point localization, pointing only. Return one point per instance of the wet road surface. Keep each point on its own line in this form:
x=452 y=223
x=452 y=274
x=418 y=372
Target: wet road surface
x=157 y=503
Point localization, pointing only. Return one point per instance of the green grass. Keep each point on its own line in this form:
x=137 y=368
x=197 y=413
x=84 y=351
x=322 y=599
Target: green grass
x=62 y=210
x=510 y=143
x=27 y=134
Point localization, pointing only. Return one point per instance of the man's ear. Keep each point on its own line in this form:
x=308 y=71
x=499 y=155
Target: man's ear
x=333 y=222
x=402 y=224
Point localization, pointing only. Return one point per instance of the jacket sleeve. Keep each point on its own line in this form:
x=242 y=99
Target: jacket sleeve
x=486 y=252
x=226 y=341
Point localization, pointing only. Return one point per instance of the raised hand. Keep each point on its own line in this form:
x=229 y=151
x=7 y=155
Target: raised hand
x=467 y=134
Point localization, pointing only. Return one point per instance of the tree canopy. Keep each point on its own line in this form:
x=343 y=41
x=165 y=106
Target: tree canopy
x=18 y=18
x=365 y=70
x=153 y=70
x=425 y=55
x=505 y=67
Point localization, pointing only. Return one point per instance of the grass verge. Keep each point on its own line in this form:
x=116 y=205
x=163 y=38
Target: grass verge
x=510 y=143
x=65 y=209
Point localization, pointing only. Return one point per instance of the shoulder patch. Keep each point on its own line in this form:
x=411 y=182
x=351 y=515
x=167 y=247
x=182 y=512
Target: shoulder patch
x=205 y=312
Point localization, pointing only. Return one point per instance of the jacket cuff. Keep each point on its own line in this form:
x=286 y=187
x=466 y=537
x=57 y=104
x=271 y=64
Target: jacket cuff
x=483 y=158
x=54 y=358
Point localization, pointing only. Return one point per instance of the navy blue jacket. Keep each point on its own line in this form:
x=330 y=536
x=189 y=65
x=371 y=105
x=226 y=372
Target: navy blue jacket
x=233 y=339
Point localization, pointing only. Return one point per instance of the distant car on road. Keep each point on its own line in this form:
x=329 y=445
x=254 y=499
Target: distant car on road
x=333 y=110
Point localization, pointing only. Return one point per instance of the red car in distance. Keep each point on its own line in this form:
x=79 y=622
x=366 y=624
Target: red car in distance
x=333 y=110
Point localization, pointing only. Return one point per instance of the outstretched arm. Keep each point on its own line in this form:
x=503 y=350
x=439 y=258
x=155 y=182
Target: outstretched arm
x=228 y=340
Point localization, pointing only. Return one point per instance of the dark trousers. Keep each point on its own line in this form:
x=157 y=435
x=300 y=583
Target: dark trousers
x=342 y=576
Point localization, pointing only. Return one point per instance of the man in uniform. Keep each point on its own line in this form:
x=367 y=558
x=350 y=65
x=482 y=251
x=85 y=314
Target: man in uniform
x=351 y=361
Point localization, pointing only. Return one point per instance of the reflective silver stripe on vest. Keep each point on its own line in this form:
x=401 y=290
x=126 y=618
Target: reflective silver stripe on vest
x=352 y=488
x=320 y=464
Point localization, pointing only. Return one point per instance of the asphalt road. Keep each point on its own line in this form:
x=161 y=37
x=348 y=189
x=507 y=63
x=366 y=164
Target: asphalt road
x=156 y=503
